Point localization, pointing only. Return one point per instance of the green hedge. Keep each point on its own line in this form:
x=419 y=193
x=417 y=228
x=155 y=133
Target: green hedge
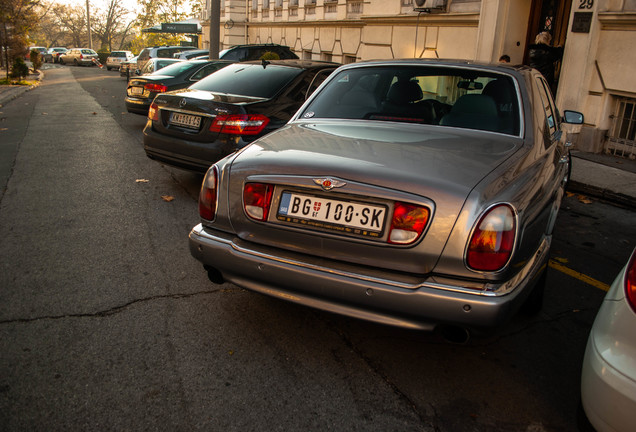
x=103 y=56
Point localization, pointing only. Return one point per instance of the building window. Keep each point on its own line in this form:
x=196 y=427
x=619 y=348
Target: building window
x=307 y=55
x=354 y=8
x=331 y=8
x=325 y=56
x=346 y=59
x=622 y=140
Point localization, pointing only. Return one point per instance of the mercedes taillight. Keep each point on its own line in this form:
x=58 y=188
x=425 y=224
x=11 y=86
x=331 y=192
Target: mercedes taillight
x=239 y=124
x=156 y=88
x=493 y=239
x=153 y=112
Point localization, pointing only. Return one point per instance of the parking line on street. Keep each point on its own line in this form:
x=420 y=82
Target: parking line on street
x=580 y=276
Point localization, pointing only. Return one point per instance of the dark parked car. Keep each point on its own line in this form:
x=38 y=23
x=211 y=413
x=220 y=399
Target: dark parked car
x=142 y=90
x=413 y=193
x=257 y=52
x=195 y=127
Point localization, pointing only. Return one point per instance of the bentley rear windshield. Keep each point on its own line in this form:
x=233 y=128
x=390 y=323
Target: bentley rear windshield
x=455 y=97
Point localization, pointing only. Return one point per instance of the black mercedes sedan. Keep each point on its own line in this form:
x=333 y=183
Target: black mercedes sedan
x=195 y=127
x=142 y=90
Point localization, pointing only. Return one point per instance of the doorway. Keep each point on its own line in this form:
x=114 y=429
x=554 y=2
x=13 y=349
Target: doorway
x=553 y=17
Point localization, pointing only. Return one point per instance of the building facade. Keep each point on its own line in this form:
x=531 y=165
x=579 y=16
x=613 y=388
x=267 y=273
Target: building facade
x=594 y=75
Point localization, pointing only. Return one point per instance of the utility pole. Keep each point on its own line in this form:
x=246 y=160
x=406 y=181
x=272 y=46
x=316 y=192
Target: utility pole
x=215 y=24
x=88 y=20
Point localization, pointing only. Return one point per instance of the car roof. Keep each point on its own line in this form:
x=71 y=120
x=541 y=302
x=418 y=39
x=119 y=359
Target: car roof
x=443 y=62
x=298 y=63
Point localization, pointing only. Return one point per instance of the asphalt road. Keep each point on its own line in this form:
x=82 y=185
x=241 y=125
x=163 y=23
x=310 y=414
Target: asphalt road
x=107 y=323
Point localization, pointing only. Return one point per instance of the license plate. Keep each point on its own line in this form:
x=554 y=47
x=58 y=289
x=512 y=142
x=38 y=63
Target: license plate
x=348 y=217
x=135 y=91
x=185 y=120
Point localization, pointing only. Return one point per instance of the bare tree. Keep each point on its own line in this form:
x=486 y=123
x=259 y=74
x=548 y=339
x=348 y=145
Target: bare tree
x=110 y=23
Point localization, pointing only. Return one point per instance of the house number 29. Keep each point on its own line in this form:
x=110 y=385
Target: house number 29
x=586 y=4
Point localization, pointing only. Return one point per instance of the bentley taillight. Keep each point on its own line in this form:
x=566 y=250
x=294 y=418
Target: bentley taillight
x=408 y=223
x=257 y=198
x=493 y=239
x=630 y=282
x=208 y=194
x=153 y=112
x=239 y=124
x=157 y=88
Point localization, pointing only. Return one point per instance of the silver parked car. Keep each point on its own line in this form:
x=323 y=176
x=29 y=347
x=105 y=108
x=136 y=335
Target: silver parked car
x=413 y=193
x=116 y=58
x=608 y=380
x=79 y=57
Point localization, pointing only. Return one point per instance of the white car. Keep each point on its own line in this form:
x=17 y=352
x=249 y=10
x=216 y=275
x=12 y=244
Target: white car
x=116 y=58
x=608 y=380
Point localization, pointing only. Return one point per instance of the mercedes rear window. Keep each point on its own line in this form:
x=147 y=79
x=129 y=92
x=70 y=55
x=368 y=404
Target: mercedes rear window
x=174 y=69
x=252 y=80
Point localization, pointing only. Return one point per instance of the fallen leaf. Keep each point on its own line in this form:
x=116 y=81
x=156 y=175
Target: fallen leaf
x=94 y=113
x=167 y=198
x=230 y=352
x=570 y=194
x=45 y=113
x=3 y=129
x=142 y=181
x=585 y=201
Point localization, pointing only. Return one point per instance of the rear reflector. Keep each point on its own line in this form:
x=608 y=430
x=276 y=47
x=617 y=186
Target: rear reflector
x=492 y=241
x=408 y=223
x=257 y=198
x=239 y=124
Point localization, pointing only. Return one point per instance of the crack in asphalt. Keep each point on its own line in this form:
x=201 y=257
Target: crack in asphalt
x=116 y=309
x=394 y=387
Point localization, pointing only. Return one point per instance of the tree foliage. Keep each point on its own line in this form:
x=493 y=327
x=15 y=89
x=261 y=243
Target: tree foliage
x=17 y=18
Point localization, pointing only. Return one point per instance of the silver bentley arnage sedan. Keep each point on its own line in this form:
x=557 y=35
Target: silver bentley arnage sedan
x=415 y=193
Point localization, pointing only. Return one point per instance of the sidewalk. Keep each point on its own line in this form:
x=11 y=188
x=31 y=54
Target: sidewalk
x=604 y=177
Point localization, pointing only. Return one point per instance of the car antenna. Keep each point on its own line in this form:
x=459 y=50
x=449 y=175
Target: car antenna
x=264 y=63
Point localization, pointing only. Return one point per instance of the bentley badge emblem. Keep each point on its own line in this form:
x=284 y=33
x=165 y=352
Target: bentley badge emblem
x=329 y=183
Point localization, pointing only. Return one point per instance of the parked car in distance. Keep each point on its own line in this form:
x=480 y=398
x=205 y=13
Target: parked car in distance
x=41 y=50
x=79 y=57
x=163 y=52
x=608 y=379
x=413 y=193
x=257 y=52
x=116 y=58
x=52 y=54
x=142 y=90
x=191 y=54
x=156 y=64
x=128 y=68
x=195 y=127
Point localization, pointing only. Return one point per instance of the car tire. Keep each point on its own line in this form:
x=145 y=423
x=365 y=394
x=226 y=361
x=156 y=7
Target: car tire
x=75 y=62
x=534 y=303
x=60 y=61
x=108 y=68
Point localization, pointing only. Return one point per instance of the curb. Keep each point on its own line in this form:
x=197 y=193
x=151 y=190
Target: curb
x=602 y=194
x=13 y=92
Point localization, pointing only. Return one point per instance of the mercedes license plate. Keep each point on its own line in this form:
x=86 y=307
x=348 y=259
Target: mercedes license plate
x=136 y=91
x=185 y=120
x=349 y=217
